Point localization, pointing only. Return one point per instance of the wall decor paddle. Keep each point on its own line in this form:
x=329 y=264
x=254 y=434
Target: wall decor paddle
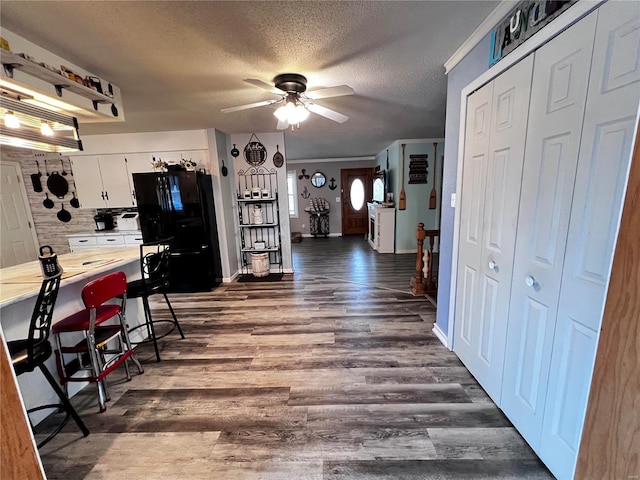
x=255 y=152
x=433 y=195
x=402 y=202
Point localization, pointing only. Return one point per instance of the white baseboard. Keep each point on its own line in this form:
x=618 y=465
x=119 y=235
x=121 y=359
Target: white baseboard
x=287 y=270
x=441 y=335
x=231 y=278
x=308 y=235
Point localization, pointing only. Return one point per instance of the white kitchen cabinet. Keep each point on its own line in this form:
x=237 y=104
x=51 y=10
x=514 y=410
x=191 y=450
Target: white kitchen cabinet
x=78 y=242
x=102 y=181
x=382 y=228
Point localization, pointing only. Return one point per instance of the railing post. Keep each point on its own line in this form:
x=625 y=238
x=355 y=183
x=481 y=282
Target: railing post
x=417 y=282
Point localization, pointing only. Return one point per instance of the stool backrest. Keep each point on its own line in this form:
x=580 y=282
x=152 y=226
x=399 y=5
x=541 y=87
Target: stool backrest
x=155 y=258
x=105 y=288
x=40 y=325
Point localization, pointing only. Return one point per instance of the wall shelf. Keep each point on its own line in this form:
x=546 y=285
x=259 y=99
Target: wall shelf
x=11 y=61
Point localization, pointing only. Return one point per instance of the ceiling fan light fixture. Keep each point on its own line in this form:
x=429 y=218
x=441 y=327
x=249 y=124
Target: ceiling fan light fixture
x=292 y=113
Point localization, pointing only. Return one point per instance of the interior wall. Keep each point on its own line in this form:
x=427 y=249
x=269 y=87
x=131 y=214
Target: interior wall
x=472 y=66
x=50 y=230
x=330 y=170
x=270 y=141
x=417 y=195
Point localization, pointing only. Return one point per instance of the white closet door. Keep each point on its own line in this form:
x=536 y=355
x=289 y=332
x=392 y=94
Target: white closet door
x=492 y=211
x=476 y=151
x=558 y=95
x=603 y=165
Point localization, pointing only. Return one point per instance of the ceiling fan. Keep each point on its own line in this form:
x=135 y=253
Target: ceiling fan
x=296 y=101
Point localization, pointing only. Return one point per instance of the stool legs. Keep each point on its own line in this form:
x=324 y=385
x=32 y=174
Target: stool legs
x=175 y=319
x=150 y=327
x=66 y=404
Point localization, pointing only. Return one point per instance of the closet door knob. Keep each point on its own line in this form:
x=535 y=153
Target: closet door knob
x=530 y=281
x=492 y=265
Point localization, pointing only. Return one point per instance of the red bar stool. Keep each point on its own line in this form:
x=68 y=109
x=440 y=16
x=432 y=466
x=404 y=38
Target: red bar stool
x=105 y=346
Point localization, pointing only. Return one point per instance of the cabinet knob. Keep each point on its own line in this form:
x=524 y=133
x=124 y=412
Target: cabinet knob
x=530 y=281
x=492 y=265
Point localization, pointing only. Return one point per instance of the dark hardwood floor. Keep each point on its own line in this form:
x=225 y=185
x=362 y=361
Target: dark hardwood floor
x=331 y=373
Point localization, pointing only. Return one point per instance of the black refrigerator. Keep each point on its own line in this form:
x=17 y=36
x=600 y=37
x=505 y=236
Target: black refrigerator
x=179 y=204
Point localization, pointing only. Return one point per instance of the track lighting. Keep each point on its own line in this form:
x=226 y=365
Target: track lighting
x=11 y=120
x=28 y=126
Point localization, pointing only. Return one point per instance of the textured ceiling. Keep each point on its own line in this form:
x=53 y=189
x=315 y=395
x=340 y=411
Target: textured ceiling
x=178 y=63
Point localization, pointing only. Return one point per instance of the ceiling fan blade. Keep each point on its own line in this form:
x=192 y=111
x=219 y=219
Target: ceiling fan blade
x=328 y=113
x=338 y=91
x=282 y=125
x=248 y=106
x=264 y=85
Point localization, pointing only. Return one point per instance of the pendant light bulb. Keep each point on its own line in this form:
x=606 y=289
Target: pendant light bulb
x=11 y=120
x=46 y=130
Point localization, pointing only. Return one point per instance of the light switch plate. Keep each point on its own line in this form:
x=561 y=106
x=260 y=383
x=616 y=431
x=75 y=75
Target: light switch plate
x=453 y=200
x=337 y=199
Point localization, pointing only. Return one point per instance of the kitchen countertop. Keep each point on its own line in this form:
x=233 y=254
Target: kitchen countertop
x=105 y=232
x=23 y=281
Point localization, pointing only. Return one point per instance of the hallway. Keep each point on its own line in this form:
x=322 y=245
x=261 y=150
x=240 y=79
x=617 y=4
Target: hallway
x=318 y=376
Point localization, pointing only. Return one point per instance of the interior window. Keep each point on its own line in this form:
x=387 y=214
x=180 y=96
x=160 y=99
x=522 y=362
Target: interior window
x=292 y=193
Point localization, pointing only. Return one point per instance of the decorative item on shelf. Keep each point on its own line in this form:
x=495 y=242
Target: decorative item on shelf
x=278 y=159
x=159 y=165
x=255 y=192
x=259 y=246
x=265 y=193
x=187 y=164
x=256 y=214
x=332 y=184
x=255 y=152
x=260 y=264
x=318 y=179
x=305 y=193
x=303 y=175
x=234 y=151
x=246 y=193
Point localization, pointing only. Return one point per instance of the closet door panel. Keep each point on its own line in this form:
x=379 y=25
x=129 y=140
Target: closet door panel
x=472 y=210
x=511 y=92
x=605 y=155
x=491 y=191
x=558 y=96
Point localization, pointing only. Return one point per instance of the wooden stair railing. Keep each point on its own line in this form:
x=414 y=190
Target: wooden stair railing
x=424 y=282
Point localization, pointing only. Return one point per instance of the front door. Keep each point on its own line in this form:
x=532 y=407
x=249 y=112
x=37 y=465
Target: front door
x=16 y=228
x=357 y=189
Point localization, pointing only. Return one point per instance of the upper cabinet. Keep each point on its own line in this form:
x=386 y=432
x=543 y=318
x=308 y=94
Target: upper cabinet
x=106 y=181
x=102 y=181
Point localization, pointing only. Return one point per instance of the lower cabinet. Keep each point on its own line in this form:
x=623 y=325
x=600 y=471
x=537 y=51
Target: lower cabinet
x=104 y=240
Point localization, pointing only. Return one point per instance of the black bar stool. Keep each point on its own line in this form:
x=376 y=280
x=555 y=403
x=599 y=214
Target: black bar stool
x=155 y=258
x=34 y=351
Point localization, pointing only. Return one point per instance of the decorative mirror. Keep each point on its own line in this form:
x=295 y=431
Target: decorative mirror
x=318 y=179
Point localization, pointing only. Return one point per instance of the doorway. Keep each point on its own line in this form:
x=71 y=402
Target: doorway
x=357 y=189
x=17 y=233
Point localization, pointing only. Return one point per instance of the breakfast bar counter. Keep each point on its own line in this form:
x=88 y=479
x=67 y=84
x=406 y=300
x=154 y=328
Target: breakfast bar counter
x=19 y=288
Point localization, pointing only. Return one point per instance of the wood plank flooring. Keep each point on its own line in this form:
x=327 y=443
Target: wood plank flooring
x=318 y=376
